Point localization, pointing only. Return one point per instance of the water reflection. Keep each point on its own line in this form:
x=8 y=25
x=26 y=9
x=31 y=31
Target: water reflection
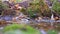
x=43 y=32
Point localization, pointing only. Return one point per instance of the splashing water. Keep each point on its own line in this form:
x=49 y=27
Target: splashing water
x=52 y=17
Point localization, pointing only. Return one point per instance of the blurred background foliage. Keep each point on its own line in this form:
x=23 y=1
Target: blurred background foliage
x=3 y=7
x=18 y=0
x=56 y=7
x=36 y=7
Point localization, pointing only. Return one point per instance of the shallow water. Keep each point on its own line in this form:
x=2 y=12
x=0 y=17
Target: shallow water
x=7 y=18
